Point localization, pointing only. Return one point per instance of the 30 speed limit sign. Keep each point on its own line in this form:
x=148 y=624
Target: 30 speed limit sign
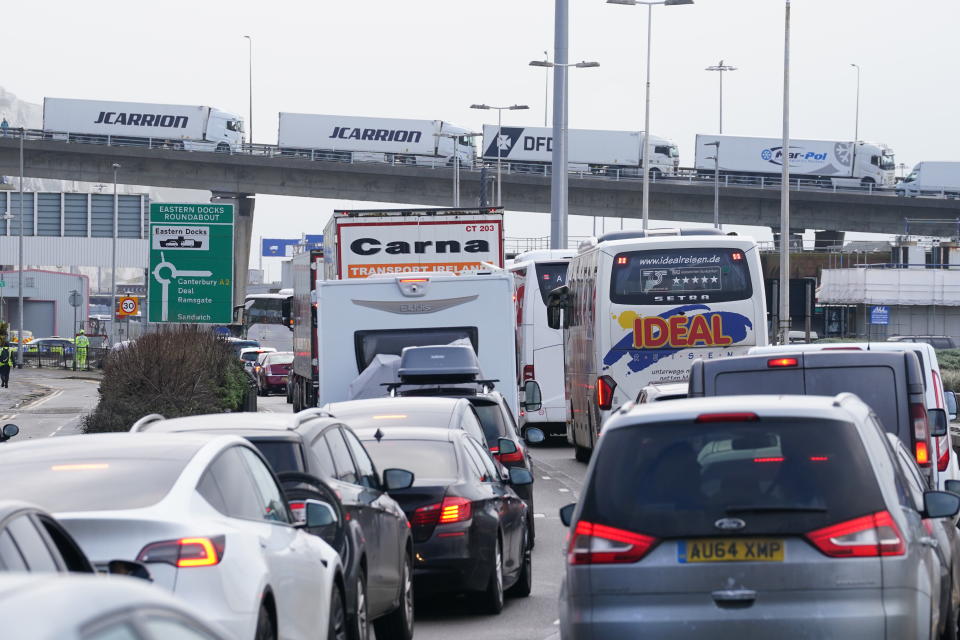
x=129 y=306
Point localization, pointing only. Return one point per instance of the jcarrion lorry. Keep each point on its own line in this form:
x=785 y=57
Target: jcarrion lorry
x=363 y=139
x=177 y=126
x=832 y=162
x=370 y=242
x=601 y=152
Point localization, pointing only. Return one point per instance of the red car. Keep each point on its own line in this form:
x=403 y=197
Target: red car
x=272 y=373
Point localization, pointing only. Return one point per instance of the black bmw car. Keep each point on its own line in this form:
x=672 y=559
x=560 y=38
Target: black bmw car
x=470 y=531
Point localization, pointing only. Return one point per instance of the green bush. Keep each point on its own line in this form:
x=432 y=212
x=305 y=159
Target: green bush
x=176 y=372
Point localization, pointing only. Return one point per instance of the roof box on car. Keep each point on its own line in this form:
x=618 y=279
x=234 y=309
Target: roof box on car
x=440 y=363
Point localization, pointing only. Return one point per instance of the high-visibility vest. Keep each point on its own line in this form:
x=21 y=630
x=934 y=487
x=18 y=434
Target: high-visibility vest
x=82 y=341
x=6 y=357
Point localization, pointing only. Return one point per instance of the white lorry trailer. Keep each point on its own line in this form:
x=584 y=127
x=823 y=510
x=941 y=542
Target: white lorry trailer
x=341 y=326
x=932 y=178
x=588 y=150
x=363 y=139
x=364 y=243
x=178 y=126
x=830 y=162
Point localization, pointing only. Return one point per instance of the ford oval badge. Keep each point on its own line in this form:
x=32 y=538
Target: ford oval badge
x=729 y=524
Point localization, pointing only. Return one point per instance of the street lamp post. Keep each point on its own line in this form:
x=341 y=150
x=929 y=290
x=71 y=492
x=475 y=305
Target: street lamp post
x=500 y=111
x=559 y=177
x=113 y=270
x=856 y=120
x=250 y=85
x=7 y=217
x=721 y=68
x=646 y=118
x=784 y=302
x=546 y=89
x=716 y=181
x=456 y=161
x=20 y=341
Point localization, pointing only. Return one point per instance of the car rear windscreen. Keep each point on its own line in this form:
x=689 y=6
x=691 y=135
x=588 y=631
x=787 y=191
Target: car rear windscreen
x=779 y=477
x=283 y=455
x=875 y=385
x=284 y=358
x=658 y=276
x=433 y=462
x=92 y=483
x=551 y=275
x=368 y=344
x=491 y=419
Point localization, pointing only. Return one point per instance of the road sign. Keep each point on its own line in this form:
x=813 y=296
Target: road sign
x=2 y=284
x=191 y=263
x=880 y=315
x=278 y=247
x=128 y=306
x=75 y=299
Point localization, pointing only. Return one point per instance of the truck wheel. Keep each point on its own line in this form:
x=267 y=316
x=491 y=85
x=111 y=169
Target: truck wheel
x=223 y=147
x=867 y=183
x=582 y=454
x=297 y=402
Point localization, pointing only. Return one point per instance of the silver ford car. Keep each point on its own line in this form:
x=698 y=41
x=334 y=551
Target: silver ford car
x=751 y=517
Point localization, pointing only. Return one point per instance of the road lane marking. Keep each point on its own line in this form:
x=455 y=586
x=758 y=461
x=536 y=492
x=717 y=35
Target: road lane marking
x=539 y=515
x=545 y=478
x=37 y=403
x=563 y=490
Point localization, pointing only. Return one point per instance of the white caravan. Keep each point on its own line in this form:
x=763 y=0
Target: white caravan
x=638 y=307
x=362 y=139
x=932 y=178
x=588 y=150
x=177 y=126
x=539 y=347
x=357 y=320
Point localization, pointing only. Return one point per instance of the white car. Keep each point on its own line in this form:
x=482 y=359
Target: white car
x=203 y=513
x=251 y=356
x=95 y=608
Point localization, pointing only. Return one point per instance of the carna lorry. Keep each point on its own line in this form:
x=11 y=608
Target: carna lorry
x=373 y=242
x=832 y=162
x=341 y=327
x=178 y=126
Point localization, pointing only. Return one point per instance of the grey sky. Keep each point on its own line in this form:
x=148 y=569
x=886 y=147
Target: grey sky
x=433 y=58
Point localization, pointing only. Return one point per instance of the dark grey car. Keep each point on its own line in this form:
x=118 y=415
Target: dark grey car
x=751 y=517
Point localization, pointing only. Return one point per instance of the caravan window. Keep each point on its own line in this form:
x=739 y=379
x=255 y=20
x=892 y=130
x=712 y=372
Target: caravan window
x=368 y=344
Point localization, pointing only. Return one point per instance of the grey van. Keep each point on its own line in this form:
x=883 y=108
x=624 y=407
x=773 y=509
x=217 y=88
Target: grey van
x=891 y=383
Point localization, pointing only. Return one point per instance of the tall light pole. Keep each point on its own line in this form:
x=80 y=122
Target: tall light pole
x=546 y=89
x=784 y=301
x=20 y=341
x=856 y=121
x=559 y=177
x=7 y=217
x=499 y=142
x=456 y=161
x=250 y=85
x=716 y=181
x=646 y=118
x=721 y=68
x=113 y=270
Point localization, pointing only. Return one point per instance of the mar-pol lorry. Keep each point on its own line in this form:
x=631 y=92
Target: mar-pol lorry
x=932 y=178
x=588 y=150
x=178 y=126
x=370 y=242
x=362 y=139
x=340 y=327
x=834 y=163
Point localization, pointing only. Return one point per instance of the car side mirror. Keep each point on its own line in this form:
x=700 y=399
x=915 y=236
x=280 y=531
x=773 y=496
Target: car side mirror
x=520 y=477
x=938 y=422
x=953 y=486
x=506 y=446
x=566 y=513
x=396 y=479
x=9 y=430
x=558 y=308
x=319 y=514
x=940 y=504
x=951 y=399
x=128 y=568
x=532 y=397
x=534 y=435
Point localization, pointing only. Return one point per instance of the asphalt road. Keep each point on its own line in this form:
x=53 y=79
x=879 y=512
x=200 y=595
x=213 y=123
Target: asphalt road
x=47 y=402
x=558 y=481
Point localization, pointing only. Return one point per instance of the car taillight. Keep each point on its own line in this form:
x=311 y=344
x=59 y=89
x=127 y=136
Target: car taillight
x=605 y=388
x=599 y=544
x=452 y=509
x=865 y=537
x=943 y=454
x=299 y=510
x=528 y=373
x=516 y=456
x=185 y=552
x=782 y=362
x=921 y=433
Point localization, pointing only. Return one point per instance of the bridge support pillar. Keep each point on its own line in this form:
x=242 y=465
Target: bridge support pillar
x=243 y=204
x=827 y=239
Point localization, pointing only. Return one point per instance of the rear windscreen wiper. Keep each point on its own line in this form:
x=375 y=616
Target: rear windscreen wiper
x=761 y=508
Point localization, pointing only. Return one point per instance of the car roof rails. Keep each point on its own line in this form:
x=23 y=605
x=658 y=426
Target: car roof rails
x=657 y=233
x=142 y=424
x=308 y=414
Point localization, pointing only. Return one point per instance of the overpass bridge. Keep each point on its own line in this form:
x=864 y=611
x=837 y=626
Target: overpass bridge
x=267 y=169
